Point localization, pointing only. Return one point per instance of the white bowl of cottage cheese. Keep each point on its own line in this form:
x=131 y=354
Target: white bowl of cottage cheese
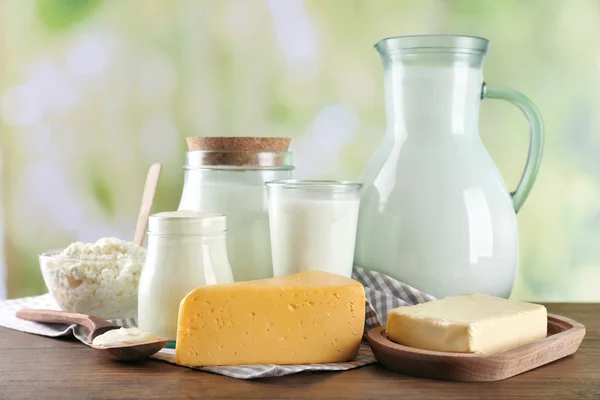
x=99 y=279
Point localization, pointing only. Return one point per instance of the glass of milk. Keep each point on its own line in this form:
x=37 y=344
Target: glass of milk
x=313 y=225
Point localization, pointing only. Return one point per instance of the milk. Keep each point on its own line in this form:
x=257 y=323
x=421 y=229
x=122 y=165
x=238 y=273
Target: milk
x=241 y=196
x=310 y=233
x=185 y=250
x=426 y=102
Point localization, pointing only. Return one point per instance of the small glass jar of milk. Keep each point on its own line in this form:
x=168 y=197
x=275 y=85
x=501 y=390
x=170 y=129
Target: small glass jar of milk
x=313 y=225
x=186 y=249
x=227 y=175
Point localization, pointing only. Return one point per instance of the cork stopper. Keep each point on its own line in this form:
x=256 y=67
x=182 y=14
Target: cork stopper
x=238 y=144
x=238 y=151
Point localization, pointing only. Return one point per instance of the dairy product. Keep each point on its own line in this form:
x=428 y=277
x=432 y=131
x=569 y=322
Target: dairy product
x=242 y=199
x=228 y=175
x=313 y=234
x=98 y=278
x=186 y=249
x=313 y=226
x=435 y=212
x=123 y=337
x=103 y=249
x=468 y=324
x=309 y=317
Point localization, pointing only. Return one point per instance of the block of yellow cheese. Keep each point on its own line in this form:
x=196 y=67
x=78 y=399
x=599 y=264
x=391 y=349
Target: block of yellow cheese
x=309 y=317
x=472 y=323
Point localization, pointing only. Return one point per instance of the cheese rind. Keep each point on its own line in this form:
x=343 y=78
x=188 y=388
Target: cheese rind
x=310 y=317
x=468 y=324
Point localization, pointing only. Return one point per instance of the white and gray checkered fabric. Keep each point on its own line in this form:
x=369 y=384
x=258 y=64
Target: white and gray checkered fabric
x=383 y=293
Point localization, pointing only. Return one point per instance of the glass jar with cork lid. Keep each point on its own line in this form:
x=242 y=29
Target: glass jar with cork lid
x=227 y=175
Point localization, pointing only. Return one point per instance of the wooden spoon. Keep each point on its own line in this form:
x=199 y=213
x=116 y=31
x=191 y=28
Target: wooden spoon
x=147 y=201
x=97 y=326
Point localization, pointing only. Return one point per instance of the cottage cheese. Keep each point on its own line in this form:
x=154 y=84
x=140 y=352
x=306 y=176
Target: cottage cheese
x=96 y=278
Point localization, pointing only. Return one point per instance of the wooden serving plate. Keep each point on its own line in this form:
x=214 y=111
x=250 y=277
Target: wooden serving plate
x=564 y=338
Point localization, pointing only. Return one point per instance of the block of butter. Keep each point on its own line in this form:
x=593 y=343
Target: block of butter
x=472 y=323
x=309 y=317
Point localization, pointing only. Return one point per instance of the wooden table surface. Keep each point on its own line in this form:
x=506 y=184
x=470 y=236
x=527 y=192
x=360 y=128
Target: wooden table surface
x=34 y=367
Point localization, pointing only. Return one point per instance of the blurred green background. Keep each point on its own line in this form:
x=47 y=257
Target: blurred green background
x=94 y=91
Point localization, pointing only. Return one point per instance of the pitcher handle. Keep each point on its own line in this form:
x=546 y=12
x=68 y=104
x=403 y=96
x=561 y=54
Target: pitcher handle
x=536 y=138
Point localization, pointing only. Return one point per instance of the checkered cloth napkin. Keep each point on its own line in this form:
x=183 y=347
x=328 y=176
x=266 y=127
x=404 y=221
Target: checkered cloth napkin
x=383 y=293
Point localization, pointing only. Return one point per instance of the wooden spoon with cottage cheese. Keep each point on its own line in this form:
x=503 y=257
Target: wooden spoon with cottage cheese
x=124 y=344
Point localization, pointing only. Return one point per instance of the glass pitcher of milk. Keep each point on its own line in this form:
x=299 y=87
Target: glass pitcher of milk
x=435 y=212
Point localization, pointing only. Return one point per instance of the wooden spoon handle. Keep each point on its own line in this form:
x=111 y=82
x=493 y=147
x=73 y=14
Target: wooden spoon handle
x=63 y=317
x=147 y=201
